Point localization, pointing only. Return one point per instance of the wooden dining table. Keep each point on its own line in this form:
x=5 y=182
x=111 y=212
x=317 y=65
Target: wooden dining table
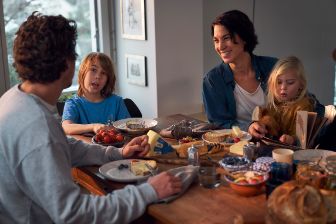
x=196 y=205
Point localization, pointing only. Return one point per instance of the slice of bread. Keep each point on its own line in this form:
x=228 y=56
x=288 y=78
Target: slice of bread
x=139 y=168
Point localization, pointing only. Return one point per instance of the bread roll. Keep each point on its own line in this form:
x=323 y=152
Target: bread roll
x=330 y=202
x=294 y=203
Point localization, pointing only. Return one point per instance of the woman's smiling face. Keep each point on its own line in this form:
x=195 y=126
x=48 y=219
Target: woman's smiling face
x=225 y=45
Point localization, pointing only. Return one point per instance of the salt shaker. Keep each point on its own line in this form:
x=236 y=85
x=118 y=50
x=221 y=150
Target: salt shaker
x=193 y=156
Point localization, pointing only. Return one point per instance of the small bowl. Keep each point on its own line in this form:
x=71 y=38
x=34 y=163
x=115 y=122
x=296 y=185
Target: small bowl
x=235 y=163
x=247 y=189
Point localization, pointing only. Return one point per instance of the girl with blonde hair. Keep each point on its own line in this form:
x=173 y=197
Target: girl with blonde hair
x=287 y=94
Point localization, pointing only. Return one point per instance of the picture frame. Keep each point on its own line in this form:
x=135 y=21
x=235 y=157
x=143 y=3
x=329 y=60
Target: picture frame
x=136 y=69
x=133 y=19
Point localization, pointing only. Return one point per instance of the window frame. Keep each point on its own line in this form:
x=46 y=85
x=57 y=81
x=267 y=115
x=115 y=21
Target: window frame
x=102 y=23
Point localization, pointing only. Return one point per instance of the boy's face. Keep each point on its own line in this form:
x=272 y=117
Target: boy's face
x=95 y=78
x=288 y=86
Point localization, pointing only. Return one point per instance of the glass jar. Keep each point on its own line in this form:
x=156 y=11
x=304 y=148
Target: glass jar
x=331 y=172
x=308 y=172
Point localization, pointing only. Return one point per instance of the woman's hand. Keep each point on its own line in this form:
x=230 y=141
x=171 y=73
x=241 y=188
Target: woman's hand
x=138 y=147
x=257 y=130
x=165 y=184
x=287 y=139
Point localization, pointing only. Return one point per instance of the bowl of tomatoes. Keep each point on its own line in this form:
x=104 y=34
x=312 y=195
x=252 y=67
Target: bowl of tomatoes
x=247 y=182
x=108 y=137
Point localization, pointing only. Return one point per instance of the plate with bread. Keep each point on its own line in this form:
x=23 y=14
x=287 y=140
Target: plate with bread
x=226 y=137
x=128 y=170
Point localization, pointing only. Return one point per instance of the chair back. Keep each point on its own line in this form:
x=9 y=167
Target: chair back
x=132 y=108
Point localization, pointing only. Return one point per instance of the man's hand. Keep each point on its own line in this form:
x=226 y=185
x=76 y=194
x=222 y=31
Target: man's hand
x=137 y=147
x=165 y=184
x=257 y=130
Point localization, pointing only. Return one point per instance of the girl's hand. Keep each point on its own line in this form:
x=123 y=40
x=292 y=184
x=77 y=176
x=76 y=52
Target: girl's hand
x=137 y=147
x=257 y=130
x=287 y=139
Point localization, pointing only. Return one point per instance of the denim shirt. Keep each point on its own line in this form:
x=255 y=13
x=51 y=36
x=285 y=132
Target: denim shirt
x=218 y=86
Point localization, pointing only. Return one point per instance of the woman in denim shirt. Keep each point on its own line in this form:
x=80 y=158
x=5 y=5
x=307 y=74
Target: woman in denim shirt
x=232 y=89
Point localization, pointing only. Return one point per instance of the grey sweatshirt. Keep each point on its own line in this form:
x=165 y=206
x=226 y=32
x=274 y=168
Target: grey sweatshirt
x=35 y=170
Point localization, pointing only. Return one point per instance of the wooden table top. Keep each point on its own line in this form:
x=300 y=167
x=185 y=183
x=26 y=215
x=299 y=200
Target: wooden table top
x=197 y=205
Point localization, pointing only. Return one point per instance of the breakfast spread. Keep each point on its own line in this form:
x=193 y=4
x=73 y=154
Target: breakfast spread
x=139 y=167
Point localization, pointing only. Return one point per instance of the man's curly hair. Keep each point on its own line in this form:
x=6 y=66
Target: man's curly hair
x=42 y=45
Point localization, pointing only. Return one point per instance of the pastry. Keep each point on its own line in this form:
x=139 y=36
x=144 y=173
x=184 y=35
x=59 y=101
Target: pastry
x=139 y=168
x=329 y=197
x=295 y=203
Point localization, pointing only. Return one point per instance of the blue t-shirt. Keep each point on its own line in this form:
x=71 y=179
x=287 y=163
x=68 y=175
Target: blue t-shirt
x=81 y=111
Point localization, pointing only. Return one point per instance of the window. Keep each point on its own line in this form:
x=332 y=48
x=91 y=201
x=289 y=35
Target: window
x=84 y=12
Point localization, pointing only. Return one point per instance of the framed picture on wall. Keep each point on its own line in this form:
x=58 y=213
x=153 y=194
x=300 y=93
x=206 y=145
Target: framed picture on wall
x=133 y=19
x=136 y=69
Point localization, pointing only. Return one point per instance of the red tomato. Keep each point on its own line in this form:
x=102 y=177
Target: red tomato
x=112 y=132
x=119 y=137
x=107 y=139
x=235 y=140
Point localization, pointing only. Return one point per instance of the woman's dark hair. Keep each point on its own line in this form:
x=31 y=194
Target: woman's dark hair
x=42 y=46
x=237 y=22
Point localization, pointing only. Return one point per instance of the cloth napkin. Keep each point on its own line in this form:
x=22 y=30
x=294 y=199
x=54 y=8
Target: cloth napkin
x=187 y=175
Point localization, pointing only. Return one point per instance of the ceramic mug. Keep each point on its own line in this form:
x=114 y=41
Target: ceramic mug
x=283 y=155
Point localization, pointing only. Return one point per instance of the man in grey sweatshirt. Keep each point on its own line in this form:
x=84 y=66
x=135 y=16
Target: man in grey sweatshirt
x=35 y=155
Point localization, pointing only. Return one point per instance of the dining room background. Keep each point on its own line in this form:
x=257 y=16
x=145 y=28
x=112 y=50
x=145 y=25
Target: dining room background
x=178 y=47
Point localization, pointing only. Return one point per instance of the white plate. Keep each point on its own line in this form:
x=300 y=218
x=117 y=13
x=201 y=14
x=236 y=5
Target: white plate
x=121 y=125
x=312 y=154
x=110 y=170
x=246 y=136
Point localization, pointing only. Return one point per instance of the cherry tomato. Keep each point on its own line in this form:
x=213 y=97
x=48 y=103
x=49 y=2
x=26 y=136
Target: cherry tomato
x=119 y=137
x=107 y=139
x=235 y=140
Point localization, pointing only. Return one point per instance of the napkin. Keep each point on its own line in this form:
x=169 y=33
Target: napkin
x=187 y=175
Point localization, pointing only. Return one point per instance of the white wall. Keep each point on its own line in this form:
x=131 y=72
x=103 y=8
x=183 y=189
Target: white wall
x=306 y=29
x=174 y=54
x=179 y=55
x=144 y=97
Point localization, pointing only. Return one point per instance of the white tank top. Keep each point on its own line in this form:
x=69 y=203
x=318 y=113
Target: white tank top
x=245 y=104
